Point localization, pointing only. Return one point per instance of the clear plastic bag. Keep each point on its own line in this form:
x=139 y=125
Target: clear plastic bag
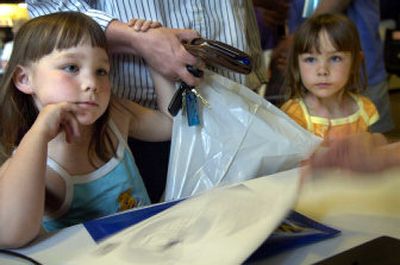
x=241 y=136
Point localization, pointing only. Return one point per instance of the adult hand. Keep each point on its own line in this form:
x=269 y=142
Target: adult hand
x=167 y=55
x=280 y=54
x=360 y=153
x=160 y=47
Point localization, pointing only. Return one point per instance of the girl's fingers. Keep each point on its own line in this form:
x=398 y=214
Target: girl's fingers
x=143 y=25
x=132 y=22
x=139 y=24
x=146 y=25
x=70 y=124
x=155 y=24
x=68 y=132
x=136 y=23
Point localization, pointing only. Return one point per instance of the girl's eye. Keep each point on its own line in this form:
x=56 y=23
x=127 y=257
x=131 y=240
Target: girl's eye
x=102 y=72
x=71 y=68
x=309 y=59
x=336 y=58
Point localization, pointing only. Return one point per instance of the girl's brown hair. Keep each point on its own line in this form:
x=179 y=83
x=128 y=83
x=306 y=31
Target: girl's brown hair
x=343 y=35
x=35 y=39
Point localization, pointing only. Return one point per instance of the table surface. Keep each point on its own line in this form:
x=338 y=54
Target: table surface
x=355 y=229
x=361 y=214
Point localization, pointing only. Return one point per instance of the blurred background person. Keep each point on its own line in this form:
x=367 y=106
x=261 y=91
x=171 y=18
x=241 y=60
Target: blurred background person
x=272 y=18
x=8 y=46
x=325 y=79
x=365 y=14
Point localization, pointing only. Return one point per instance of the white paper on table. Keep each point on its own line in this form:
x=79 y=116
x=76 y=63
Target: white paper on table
x=344 y=192
x=221 y=226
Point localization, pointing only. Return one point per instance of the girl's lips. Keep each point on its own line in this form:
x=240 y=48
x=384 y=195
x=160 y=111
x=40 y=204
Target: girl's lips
x=323 y=85
x=87 y=104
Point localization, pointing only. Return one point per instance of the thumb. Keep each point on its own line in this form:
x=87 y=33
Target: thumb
x=186 y=34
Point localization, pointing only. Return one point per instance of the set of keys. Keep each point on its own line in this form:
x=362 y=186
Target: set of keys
x=187 y=98
x=214 y=53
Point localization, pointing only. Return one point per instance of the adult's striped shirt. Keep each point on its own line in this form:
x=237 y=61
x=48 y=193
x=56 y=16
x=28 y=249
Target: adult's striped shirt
x=230 y=21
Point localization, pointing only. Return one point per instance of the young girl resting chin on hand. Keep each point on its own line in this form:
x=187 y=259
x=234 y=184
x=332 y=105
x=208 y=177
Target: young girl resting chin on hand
x=63 y=153
x=326 y=74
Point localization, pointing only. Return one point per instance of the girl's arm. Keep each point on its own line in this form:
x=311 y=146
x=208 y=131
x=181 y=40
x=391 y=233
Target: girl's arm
x=22 y=176
x=22 y=183
x=144 y=123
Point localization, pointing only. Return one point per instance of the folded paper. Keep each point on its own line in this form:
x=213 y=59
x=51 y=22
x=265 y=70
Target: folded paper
x=221 y=226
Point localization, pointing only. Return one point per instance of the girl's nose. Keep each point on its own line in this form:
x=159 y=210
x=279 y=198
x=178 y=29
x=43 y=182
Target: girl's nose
x=323 y=69
x=90 y=85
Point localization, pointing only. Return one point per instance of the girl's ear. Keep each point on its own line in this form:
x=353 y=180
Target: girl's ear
x=21 y=79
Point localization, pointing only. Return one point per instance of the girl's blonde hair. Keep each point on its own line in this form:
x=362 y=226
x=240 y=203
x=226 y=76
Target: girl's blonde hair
x=343 y=35
x=35 y=39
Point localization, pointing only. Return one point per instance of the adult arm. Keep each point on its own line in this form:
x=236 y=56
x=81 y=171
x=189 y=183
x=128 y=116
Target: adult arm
x=160 y=47
x=360 y=153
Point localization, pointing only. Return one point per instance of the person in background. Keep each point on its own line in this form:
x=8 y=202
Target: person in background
x=365 y=14
x=326 y=74
x=8 y=46
x=63 y=135
x=232 y=22
x=271 y=20
x=2 y=42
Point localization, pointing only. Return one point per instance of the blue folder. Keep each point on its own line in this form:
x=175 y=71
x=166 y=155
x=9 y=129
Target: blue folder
x=295 y=230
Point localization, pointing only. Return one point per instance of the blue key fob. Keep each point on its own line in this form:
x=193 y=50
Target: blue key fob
x=192 y=109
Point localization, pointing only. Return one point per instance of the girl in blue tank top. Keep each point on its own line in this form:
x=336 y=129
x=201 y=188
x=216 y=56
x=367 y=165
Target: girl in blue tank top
x=63 y=154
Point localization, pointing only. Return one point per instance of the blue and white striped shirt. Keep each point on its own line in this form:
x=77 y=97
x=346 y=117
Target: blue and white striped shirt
x=232 y=22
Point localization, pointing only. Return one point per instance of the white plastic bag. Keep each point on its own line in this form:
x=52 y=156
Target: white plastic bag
x=241 y=136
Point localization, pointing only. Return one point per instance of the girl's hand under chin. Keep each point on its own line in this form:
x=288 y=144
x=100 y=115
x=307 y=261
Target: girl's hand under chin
x=58 y=117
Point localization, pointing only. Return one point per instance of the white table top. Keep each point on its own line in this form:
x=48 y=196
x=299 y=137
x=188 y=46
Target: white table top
x=355 y=229
x=369 y=213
